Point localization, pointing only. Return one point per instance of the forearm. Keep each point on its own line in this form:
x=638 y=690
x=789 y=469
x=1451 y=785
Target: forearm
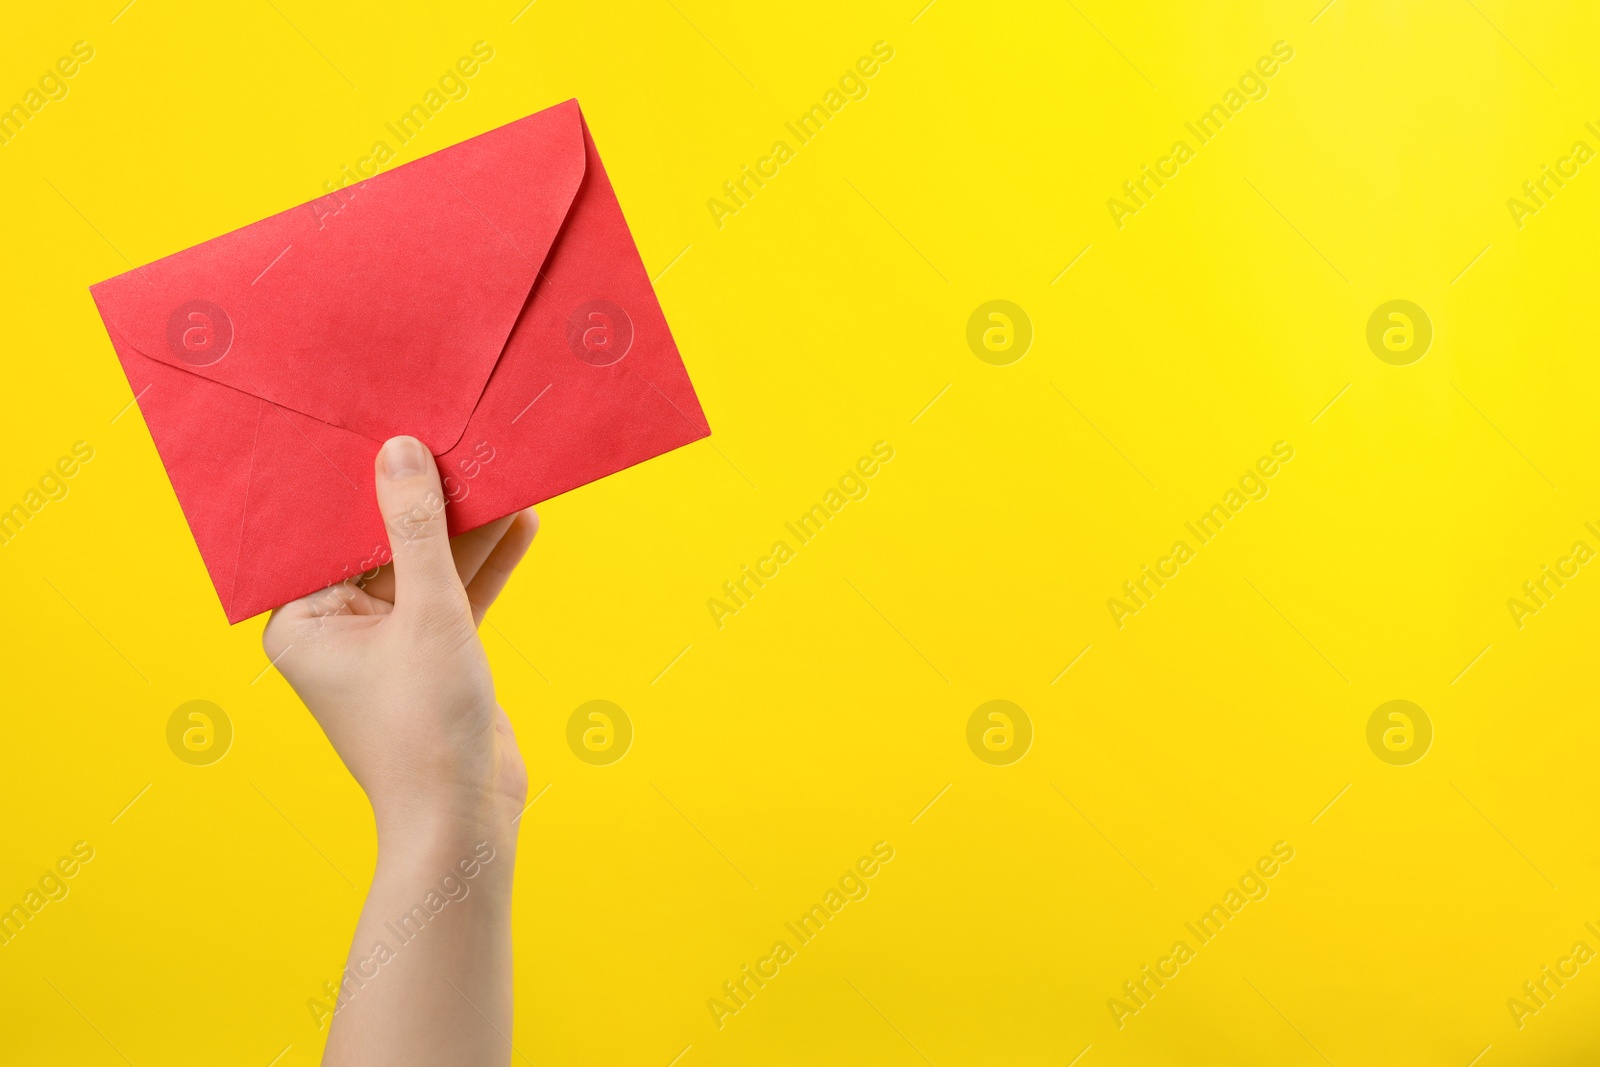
x=428 y=979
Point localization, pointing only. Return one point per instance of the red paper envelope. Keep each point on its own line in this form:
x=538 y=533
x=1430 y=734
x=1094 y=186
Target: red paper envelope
x=487 y=299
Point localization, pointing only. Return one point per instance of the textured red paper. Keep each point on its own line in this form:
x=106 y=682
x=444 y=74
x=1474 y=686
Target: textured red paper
x=487 y=299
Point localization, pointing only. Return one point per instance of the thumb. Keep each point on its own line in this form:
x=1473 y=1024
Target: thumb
x=412 y=503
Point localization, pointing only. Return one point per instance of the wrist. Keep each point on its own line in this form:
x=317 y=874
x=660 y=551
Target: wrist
x=430 y=832
x=435 y=864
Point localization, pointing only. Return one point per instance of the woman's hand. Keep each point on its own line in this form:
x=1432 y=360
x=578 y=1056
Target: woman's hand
x=393 y=669
x=395 y=674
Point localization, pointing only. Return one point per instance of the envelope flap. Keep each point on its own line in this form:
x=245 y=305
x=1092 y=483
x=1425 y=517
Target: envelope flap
x=381 y=308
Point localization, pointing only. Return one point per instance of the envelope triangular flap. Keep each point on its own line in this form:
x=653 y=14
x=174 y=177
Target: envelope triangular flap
x=381 y=309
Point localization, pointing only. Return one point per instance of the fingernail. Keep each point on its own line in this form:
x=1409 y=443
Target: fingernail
x=403 y=457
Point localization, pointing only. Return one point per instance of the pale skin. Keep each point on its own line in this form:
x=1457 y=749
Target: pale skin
x=395 y=674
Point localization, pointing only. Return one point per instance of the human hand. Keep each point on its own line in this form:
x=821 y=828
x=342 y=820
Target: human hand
x=394 y=672
x=393 y=669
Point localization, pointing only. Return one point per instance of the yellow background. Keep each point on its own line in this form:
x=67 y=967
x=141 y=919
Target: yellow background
x=828 y=713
